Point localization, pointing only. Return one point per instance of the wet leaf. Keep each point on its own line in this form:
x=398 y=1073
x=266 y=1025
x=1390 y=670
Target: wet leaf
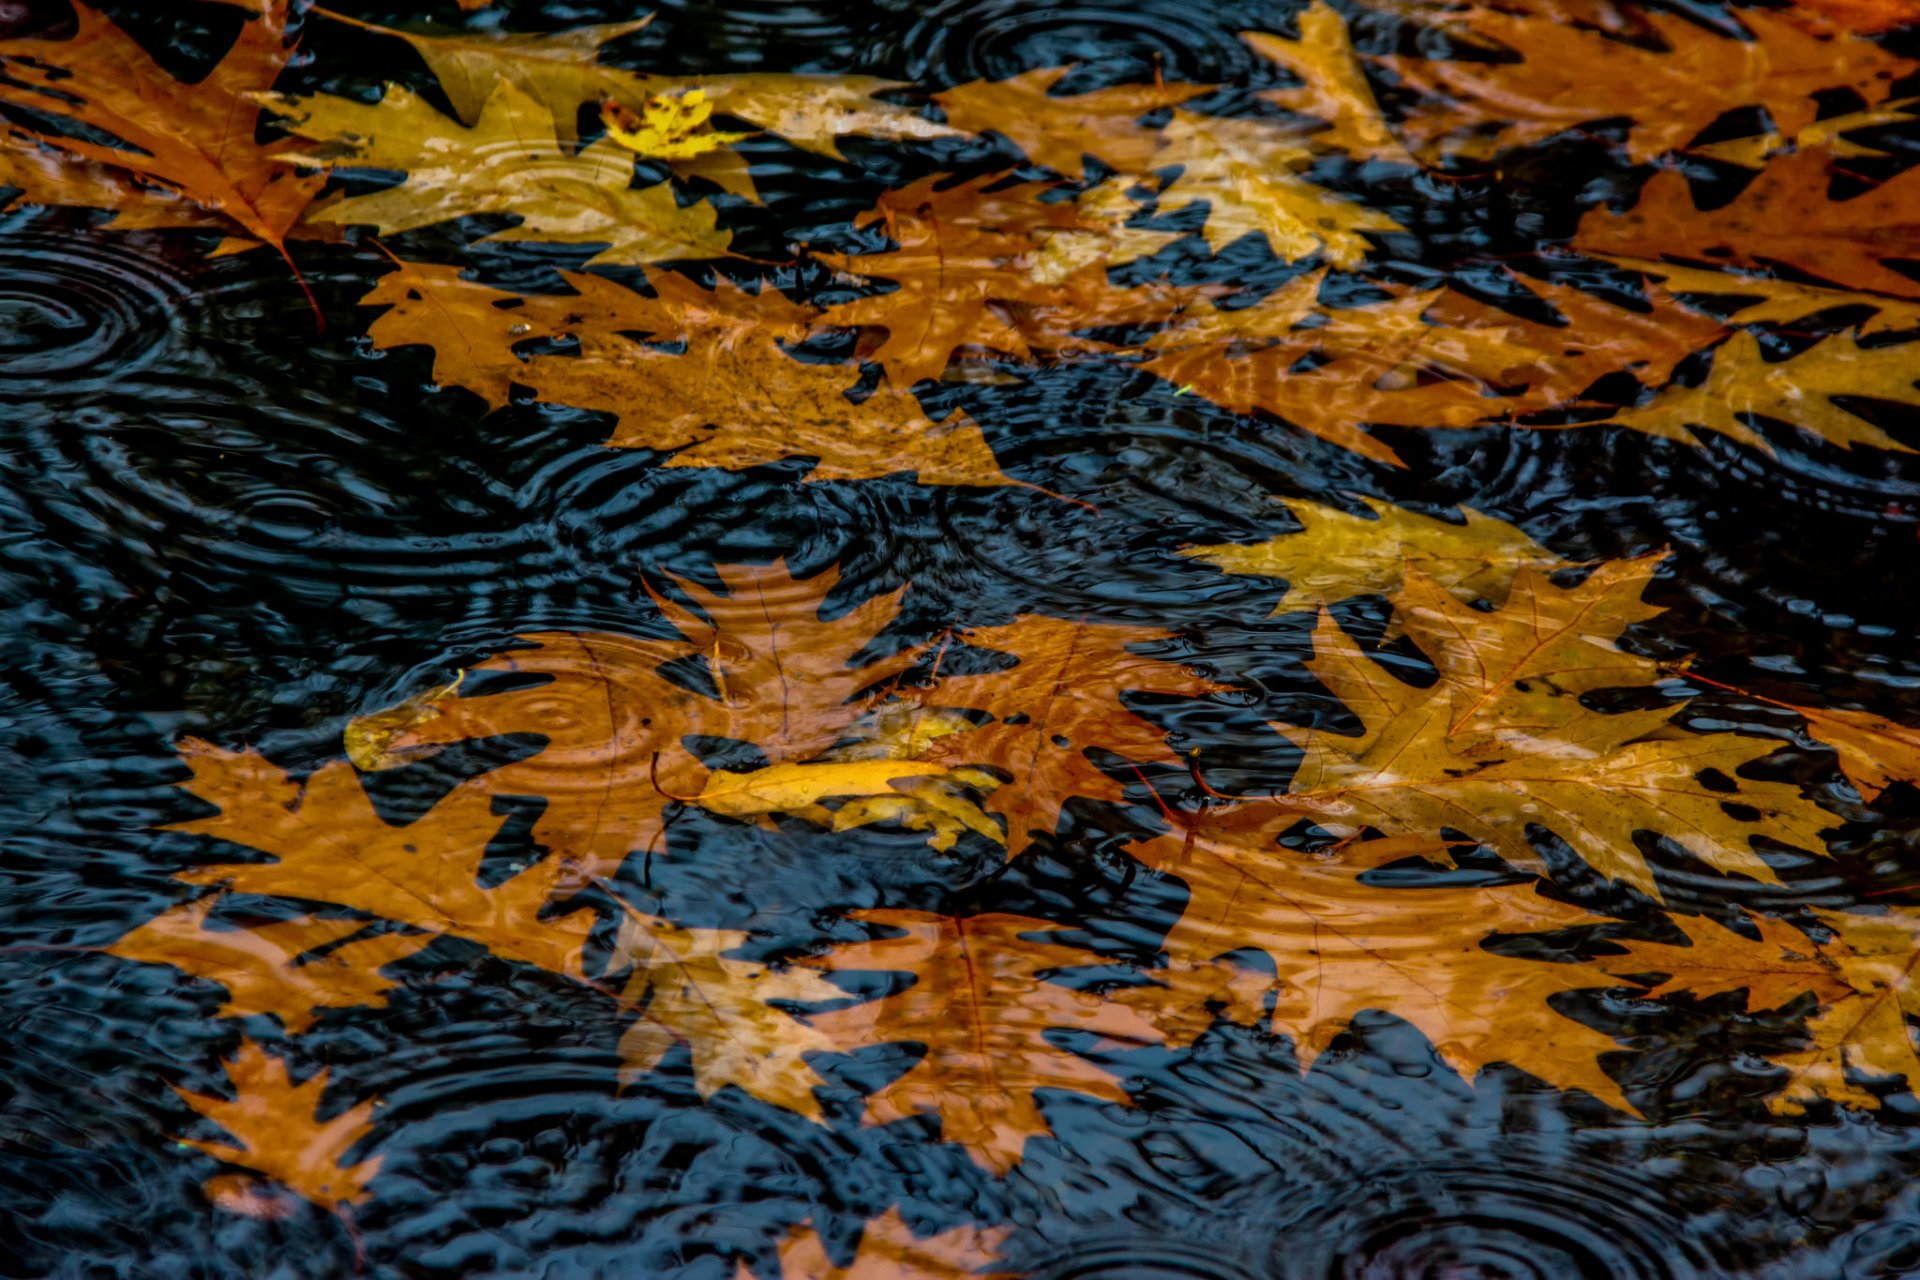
x=278 y=1131
x=889 y=1250
x=1504 y=739
x=180 y=155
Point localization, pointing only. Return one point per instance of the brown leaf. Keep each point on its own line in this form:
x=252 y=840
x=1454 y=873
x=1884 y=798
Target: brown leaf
x=1065 y=696
x=279 y=1132
x=1783 y=217
x=1503 y=739
x=1058 y=131
x=1567 y=76
x=174 y=141
x=1340 y=947
x=271 y=968
x=980 y=1008
x=889 y=1250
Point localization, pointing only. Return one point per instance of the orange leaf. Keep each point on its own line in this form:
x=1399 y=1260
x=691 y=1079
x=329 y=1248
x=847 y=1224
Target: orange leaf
x=279 y=1131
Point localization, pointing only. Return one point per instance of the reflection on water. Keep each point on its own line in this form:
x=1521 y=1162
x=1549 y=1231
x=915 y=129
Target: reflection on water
x=725 y=641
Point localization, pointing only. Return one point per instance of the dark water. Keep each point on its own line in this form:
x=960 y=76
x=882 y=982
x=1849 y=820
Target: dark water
x=218 y=522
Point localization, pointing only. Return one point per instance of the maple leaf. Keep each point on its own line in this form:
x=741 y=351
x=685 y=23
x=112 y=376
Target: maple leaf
x=1503 y=738
x=271 y=968
x=1337 y=556
x=1059 y=131
x=508 y=161
x=965 y=269
x=1064 y=697
x=1340 y=947
x=732 y=398
x=279 y=1133
x=1798 y=390
x=174 y=153
x=1862 y=978
x=1244 y=171
x=1334 y=86
x=1783 y=217
x=980 y=1007
x=1566 y=76
x=889 y=1250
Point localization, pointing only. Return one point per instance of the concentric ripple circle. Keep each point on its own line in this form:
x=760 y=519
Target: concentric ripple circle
x=963 y=40
x=78 y=312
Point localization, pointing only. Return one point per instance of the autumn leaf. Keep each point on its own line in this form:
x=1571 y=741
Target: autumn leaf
x=278 y=1132
x=284 y=968
x=965 y=271
x=509 y=161
x=667 y=126
x=1065 y=697
x=1245 y=172
x=1861 y=977
x=1758 y=299
x=616 y=722
x=732 y=397
x=1799 y=390
x=1875 y=752
x=980 y=1006
x=1333 y=86
x=889 y=1250
x=1667 y=90
x=1423 y=359
x=1059 y=131
x=725 y=1009
x=562 y=70
x=1829 y=134
x=1337 y=556
x=1339 y=947
x=1503 y=738
x=173 y=153
x=1782 y=218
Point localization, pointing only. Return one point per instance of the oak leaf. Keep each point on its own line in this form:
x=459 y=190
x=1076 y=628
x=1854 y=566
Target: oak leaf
x=1337 y=556
x=509 y=161
x=279 y=1133
x=1783 y=217
x=1769 y=300
x=1065 y=697
x=562 y=70
x=1334 y=86
x=1861 y=977
x=1504 y=738
x=1830 y=134
x=667 y=126
x=964 y=265
x=725 y=1009
x=889 y=1250
x=1339 y=947
x=1565 y=76
x=1423 y=359
x=174 y=154
x=1245 y=171
x=732 y=397
x=1059 y=131
x=981 y=1007
x=273 y=968
x=1875 y=752
x=1799 y=390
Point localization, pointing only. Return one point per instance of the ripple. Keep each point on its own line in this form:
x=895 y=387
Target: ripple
x=79 y=312
x=1469 y=1222
x=963 y=40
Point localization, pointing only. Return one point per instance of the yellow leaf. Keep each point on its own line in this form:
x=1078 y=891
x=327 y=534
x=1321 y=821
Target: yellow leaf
x=667 y=126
